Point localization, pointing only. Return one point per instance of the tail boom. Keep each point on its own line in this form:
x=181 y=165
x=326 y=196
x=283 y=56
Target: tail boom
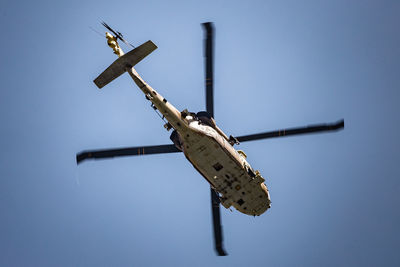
x=126 y=63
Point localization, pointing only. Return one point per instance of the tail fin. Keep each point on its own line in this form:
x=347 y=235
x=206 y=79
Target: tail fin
x=130 y=59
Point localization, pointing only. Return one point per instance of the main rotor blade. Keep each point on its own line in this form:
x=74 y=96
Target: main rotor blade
x=121 y=152
x=293 y=131
x=209 y=61
x=218 y=240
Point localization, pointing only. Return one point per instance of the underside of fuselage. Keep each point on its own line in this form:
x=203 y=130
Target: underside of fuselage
x=223 y=167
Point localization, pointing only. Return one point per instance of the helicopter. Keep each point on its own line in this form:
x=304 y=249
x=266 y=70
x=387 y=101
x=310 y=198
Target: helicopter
x=233 y=182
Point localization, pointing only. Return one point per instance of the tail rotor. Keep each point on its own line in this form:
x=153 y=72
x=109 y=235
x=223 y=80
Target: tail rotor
x=117 y=34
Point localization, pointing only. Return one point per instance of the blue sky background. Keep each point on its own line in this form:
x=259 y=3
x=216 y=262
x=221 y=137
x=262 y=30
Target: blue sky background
x=278 y=64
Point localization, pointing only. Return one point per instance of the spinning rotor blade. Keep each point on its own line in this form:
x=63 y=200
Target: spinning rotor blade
x=218 y=239
x=121 y=152
x=293 y=131
x=208 y=54
x=209 y=75
x=117 y=34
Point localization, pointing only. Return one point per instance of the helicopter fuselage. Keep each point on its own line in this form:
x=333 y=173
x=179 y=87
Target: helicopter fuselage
x=212 y=155
x=233 y=182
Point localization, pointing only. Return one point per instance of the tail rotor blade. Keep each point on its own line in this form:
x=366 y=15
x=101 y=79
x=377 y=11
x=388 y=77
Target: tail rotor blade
x=109 y=28
x=127 y=43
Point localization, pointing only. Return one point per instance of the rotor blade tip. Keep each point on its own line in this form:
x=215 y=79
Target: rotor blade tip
x=221 y=252
x=340 y=124
x=79 y=158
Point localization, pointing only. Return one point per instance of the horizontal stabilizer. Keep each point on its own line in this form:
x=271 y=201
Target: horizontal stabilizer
x=119 y=66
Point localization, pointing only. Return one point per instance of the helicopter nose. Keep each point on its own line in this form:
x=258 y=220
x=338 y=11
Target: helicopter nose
x=265 y=189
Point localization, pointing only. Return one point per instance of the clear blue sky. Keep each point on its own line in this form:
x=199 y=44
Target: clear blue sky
x=278 y=64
